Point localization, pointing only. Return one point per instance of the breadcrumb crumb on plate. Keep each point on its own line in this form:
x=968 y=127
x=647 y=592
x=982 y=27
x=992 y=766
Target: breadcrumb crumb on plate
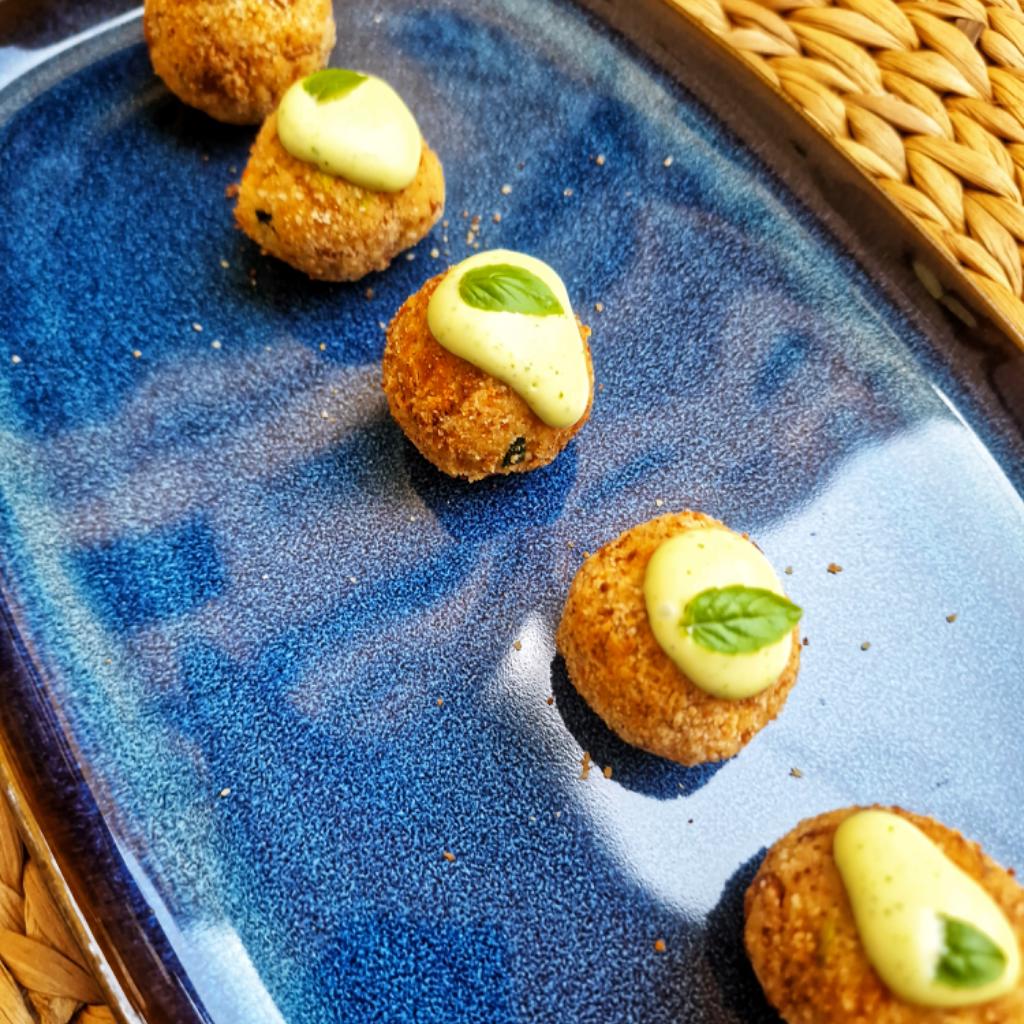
x=803 y=943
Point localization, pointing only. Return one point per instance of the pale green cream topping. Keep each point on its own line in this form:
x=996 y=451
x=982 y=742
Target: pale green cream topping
x=367 y=136
x=540 y=357
x=903 y=889
x=680 y=569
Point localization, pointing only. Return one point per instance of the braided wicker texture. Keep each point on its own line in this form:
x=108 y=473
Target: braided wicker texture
x=44 y=976
x=926 y=98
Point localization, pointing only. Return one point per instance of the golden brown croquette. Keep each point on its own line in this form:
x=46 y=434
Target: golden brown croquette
x=621 y=671
x=466 y=422
x=234 y=59
x=325 y=226
x=803 y=942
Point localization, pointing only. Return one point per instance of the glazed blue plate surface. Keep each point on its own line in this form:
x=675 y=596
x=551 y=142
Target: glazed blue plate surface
x=295 y=665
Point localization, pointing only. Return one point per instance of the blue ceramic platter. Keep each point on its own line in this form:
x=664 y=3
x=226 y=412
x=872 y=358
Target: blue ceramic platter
x=292 y=664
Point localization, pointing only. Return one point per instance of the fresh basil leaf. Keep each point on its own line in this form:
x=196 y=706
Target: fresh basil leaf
x=503 y=288
x=738 y=619
x=332 y=83
x=971 y=959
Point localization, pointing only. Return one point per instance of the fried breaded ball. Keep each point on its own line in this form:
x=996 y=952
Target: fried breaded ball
x=621 y=671
x=466 y=422
x=234 y=59
x=325 y=226
x=803 y=942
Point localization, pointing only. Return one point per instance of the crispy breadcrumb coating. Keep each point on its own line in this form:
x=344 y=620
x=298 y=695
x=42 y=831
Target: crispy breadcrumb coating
x=326 y=226
x=618 y=667
x=234 y=59
x=803 y=941
x=466 y=422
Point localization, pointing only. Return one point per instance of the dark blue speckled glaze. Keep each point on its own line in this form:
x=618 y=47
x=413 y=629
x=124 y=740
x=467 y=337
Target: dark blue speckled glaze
x=235 y=577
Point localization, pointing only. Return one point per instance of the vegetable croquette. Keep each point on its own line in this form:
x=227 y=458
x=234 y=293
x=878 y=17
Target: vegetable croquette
x=619 y=666
x=807 y=949
x=234 y=59
x=339 y=180
x=448 y=398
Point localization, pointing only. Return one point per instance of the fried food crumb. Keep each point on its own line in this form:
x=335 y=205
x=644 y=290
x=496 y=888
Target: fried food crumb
x=551 y=699
x=600 y=160
x=788 y=570
x=951 y=617
x=225 y=792
x=585 y=765
x=606 y=771
x=518 y=645
x=506 y=190
x=834 y=568
x=866 y=646
x=659 y=946
x=449 y=856
x=796 y=773
x=598 y=307
x=440 y=702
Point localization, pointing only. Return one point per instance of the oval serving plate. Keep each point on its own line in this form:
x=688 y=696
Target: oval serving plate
x=264 y=665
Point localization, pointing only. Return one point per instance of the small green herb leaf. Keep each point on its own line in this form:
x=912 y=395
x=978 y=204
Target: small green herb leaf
x=971 y=959
x=332 y=83
x=738 y=619
x=516 y=452
x=503 y=288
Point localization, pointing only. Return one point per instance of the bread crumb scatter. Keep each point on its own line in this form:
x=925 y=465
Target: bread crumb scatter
x=796 y=773
x=409 y=257
x=198 y=328
x=518 y=645
x=951 y=617
x=137 y=353
x=584 y=767
x=806 y=641
x=449 y=856
x=225 y=264
x=788 y=570
x=506 y=190
x=550 y=700
x=600 y=160
x=15 y=359
x=568 y=193
x=598 y=307
x=440 y=702
x=668 y=161
x=866 y=646
x=215 y=343
x=496 y=217
x=323 y=346
x=658 y=502
x=834 y=568
x=607 y=771
x=659 y=946
x=435 y=253
x=225 y=792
